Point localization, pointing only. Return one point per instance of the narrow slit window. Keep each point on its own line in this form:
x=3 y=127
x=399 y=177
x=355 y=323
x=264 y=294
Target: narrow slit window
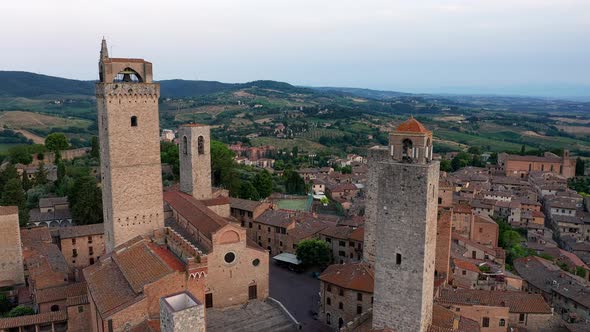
x=201 y=145
x=398 y=259
x=134 y=121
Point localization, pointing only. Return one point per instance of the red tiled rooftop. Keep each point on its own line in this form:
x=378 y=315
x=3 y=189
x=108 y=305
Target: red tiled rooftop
x=47 y=317
x=518 y=302
x=412 y=126
x=168 y=257
x=466 y=265
x=195 y=212
x=355 y=276
x=8 y=210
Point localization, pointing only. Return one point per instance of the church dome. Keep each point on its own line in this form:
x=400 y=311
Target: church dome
x=412 y=125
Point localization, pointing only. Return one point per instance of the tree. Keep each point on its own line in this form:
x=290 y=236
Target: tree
x=56 y=141
x=523 y=150
x=20 y=311
x=95 y=148
x=14 y=195
x=169 y=155
x=445 y=165
x=263 y=183
x=313 y=252
x=346 y=169
x=461 y=160
x=20 y=155
x=248 y=191
x=41 y=175
x=8 y=173
x=26 y=183
x=223 y=167
x=86 y=201
x=61 y=171
x=581 y=271
x=474 y=150
x=294 y=184
x=5 y=304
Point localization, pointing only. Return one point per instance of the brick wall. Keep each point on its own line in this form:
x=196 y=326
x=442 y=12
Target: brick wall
x=443 y=243
x=83 y=254
x=130 y=160
x=11 y=256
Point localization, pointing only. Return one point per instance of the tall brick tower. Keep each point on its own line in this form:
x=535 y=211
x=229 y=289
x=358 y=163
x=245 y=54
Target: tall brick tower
x=127 y=102
x=403 y=186
x=195 y=160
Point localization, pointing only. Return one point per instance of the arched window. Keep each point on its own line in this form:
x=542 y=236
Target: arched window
x=328 y=318
x=340 y=322
x=184 y=145
x=134 y=121
x=407 y=148
x=55 y=307
x=201 y=145
x=502 y=322
x=128 y=75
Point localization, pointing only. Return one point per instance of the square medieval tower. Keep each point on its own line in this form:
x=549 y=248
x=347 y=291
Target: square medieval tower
x=401 y=228
x=195 y=160
x=127 y=102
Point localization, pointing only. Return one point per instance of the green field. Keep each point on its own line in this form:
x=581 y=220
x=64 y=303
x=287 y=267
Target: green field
x=303 y=144
x=5 y=147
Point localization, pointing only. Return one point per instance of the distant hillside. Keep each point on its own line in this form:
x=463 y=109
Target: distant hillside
x=30 y=85
x=363 y=93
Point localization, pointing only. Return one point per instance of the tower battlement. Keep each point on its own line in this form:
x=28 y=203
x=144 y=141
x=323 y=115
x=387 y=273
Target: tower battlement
x=133 y=90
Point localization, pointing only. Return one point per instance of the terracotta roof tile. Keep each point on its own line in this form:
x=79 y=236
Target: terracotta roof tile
x=355 y=276
x=139 y=266
x=197 y=214
x=60 y=292
x=77 y=300
x=8 y=210
x=517 y=302
x=243 y=204
x=47 y=317
x=108 y=287
x=412 y=125
x=443 y=320
x=78 y=231
x=466 y=265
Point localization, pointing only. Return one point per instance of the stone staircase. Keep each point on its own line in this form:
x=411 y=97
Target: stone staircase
x=254 y=316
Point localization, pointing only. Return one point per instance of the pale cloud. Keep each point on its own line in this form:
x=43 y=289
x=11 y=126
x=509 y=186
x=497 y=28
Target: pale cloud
x=389 y=44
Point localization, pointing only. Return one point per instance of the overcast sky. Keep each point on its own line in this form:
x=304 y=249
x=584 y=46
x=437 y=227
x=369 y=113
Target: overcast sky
x=457 y=46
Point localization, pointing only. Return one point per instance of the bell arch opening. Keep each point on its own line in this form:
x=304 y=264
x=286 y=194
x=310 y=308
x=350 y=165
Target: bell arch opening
x=128 y=75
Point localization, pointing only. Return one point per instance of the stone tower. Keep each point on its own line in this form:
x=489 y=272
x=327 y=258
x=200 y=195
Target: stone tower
x=11 y=254
x=127 y=102
x=402 y=218
x=195 y=160
x=182 y=313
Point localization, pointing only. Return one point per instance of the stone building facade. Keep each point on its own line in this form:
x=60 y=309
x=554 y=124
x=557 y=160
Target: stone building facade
x=443 y=244
x=404 y=189
x=346 y=291
x=195 y=160
x=11 y=254
x=521 y=166
x=82 y=246
x=128 y=122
